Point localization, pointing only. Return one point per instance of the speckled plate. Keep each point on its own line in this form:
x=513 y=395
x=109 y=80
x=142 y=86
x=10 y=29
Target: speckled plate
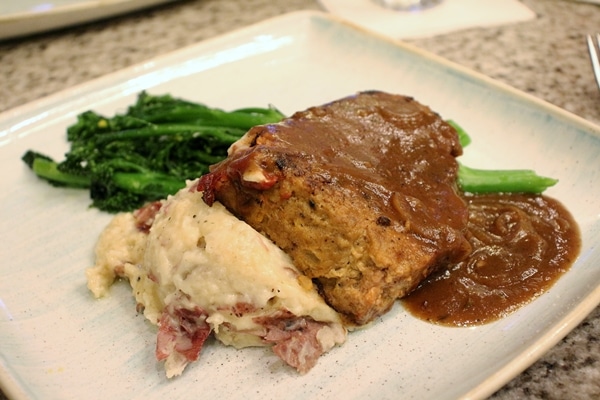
x=57 y=342
x=24 y=17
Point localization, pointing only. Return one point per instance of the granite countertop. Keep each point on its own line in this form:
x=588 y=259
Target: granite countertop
x=545 y=57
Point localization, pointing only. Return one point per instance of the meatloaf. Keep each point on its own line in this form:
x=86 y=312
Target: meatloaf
x=360 y=192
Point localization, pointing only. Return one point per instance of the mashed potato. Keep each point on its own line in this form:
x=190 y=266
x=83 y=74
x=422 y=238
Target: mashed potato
x=198 y=270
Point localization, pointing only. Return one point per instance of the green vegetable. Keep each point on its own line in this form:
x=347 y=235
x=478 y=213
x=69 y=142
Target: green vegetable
x=146 y=153
x=463 y=136
x=475 y=181
x=47 y=168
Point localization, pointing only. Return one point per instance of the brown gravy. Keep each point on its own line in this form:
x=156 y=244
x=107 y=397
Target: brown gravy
x=521 y=245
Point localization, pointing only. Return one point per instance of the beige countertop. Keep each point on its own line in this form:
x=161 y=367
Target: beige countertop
x=545 y=57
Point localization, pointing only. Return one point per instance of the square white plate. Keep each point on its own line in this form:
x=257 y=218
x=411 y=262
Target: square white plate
x=57 y=342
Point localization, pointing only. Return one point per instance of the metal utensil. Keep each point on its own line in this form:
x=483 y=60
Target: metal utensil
x=593 y=48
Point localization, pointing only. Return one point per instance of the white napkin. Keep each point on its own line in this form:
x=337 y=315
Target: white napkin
x=448 y=16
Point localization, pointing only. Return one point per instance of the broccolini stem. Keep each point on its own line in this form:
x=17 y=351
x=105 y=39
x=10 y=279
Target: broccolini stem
x=463 y=136
x=225 y=135
x=271 y=112
x=473 y=180
x=148 y=183
x=243 y=119
x=47 y=169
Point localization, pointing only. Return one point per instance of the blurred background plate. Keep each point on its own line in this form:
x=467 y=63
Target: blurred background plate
x=24 y=17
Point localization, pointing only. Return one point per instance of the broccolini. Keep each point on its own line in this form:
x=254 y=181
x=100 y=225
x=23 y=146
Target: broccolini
x=146 y=153
x=478 y=181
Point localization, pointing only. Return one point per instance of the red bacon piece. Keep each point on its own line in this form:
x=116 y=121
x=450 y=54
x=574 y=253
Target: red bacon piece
x=294 y=339
x=144 y=216
x=183 y=331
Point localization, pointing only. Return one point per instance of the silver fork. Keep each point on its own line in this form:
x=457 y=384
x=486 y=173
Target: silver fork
x=593 y=49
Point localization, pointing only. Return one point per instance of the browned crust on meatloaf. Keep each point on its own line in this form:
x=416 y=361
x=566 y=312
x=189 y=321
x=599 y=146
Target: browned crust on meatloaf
x=360 y=192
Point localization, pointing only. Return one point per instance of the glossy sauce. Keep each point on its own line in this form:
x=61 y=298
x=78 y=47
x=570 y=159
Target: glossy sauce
x=521 y=245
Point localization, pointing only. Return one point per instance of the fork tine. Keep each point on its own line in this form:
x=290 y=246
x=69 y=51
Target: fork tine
x=594 y=56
